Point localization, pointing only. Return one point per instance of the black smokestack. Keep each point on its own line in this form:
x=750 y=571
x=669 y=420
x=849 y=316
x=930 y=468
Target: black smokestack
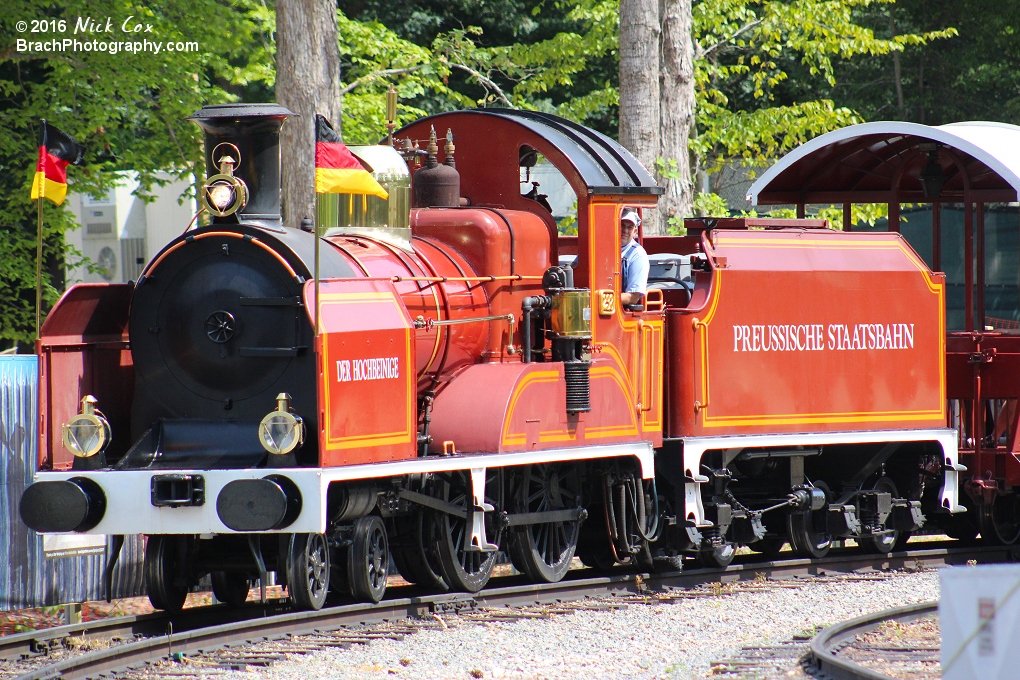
x=255 y=130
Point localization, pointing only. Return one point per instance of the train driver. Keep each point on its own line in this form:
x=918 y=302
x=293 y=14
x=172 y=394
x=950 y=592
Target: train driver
x=633 y=260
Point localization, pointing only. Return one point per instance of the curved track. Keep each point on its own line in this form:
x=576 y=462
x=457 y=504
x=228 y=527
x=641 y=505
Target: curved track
x=825 y=645
x=205 y=629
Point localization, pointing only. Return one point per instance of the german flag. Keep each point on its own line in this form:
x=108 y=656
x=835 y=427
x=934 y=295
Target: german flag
x=337 y=171
x=57 y=150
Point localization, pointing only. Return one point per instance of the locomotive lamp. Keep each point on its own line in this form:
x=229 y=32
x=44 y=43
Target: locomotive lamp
x=86 y=435
x=223 y=194
x=281 y=432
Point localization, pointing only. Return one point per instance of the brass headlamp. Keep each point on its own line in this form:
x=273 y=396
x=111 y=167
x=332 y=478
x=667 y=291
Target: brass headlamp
x=87 y=433
x=281 y=432
x=223 y=194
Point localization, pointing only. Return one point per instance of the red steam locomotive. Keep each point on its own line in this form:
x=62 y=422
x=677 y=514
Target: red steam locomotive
x=427 y=381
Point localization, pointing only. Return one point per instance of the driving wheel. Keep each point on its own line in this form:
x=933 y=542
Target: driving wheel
x=463 y=569
x=543 y=551
x=413 y=546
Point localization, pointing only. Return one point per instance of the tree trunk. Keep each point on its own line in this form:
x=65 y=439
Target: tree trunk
x=307 y=82
x=639 y=83
x=897 y=77
x=676 y=113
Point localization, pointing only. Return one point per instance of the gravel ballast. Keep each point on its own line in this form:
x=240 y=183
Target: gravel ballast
x=677 y=640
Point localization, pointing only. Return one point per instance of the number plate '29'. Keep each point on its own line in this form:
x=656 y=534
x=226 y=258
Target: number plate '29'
x=607 y=302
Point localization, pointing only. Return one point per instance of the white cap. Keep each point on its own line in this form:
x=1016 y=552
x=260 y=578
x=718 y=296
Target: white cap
x=630 y=215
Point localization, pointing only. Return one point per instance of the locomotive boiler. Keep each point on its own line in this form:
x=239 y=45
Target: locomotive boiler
x=419 y=376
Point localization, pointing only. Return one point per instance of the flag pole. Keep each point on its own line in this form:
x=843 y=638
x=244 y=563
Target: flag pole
x=315 y=227
x=38 y=269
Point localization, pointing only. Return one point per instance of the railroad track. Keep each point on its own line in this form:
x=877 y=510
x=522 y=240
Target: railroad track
x=824 y=648
x=205 y=629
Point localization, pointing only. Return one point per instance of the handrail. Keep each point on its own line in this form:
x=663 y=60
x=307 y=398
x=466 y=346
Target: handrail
x=646 y=371
x=422 y=322
x=444 y=279
x=225 y=234
x=698 y=324
x=658 y=301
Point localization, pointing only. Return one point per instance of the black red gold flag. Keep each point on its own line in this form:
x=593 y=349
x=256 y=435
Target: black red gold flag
x=57 y=150
x=337 y=170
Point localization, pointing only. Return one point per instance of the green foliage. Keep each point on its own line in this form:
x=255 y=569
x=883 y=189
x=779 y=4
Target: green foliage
x=975 y=76
x=744 y=51
x=567 y=225
x=860 y=213
x=518 y=75
x=762 y=135
x=556 y=56
x=866 y=213
x=708 y=204
x=127 y=109
x=368 y=51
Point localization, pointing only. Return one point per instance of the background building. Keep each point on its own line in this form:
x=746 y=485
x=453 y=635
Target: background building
x=120 y=232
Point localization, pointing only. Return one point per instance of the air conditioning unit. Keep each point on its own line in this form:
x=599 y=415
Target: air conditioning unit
x=120 y=232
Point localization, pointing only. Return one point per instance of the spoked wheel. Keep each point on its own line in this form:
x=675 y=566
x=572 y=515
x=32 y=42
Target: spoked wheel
x=308 y=570
x=368 y=559
x=230 y=588
x=1000 y=522
x=886 y=542
x=413 y=546
x=544 y=551
x=463 y=570
x=165 y=578
x=717 y=556
x=809 y=532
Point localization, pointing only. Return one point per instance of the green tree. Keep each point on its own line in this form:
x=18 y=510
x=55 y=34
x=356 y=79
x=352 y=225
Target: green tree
x=975 y=76
x=558 y=57
x=746 y=51
x=765 y=70
x=127 y=109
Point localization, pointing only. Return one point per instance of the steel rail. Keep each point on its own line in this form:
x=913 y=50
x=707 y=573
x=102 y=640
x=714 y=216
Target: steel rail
x=35 y=642
x=504 y=592
x=825 y=645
